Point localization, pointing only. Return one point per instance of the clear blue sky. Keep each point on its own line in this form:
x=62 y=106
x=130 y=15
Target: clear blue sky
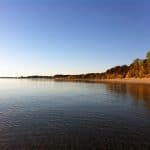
x=47 y=37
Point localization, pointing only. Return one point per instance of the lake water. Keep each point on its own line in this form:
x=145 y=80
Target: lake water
x=43 y=114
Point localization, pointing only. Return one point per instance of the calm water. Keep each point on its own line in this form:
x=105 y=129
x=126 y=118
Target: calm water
x=43 y=114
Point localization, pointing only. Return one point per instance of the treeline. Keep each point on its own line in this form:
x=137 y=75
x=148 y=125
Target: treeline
x=36 y=77
x=140 y=68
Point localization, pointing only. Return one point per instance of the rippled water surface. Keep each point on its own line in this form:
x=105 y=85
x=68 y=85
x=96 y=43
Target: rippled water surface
x=43 y=114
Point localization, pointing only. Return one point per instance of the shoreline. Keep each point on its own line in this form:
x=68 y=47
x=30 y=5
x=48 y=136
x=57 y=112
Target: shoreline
x=123 y=80
x=117 y=80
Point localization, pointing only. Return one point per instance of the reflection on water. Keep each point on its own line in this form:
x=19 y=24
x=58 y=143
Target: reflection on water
x=140 y=93
x=43 y=114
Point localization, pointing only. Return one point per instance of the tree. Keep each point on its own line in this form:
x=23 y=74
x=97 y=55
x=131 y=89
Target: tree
x=137 y=61
x=148 y=55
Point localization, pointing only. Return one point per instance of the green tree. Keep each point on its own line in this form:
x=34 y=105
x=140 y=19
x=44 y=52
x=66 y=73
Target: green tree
x=148 y=55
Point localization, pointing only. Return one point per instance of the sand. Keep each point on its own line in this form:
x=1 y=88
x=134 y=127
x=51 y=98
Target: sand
x=124 y=80
x=129 y=80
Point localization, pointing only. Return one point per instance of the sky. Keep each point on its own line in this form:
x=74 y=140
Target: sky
x=48 y=37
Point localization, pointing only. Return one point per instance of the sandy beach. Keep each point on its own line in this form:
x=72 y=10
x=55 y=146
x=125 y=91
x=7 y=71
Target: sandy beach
x=129 y=80
x=124 y=80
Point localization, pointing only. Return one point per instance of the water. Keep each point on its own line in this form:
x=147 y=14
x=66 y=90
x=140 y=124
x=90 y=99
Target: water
x=43 y=114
